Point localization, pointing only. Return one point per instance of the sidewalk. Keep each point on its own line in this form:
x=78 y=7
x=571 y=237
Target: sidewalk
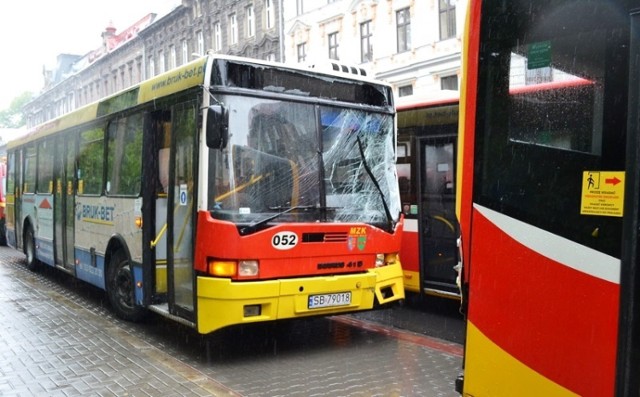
x=59 y=338
x=52 y=346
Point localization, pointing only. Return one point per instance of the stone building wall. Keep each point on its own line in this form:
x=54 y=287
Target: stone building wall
x=430 y=62
x=168 y=41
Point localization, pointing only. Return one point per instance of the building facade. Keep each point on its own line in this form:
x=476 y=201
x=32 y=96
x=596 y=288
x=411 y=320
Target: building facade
x=413 y=44
x=157 y=43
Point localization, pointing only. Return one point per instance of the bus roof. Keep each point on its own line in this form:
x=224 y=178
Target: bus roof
x=434 y=98
x=175 y=80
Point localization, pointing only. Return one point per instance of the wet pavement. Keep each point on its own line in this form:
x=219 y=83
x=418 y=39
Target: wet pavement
x=59 y=338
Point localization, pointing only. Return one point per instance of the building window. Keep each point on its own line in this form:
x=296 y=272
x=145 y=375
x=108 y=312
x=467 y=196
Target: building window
x=447 y=19
x=217 y=37
x=302 y=52
x=161 y=63
x=251 y=22
x=449 y=83
x=269 y=14
x=200 y=38
x=366 y=42
x=233 y=29
x=185 y=52
x=271 y=57
x=139 y=74
x=403 y=23
x=197 y=8
x=152 y=67
x=172 y=57
x=333 y=46
x=405 y=90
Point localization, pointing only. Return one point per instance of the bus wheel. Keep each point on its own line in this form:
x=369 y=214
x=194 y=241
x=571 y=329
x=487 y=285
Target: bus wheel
x=120 y=288
x=3 y=232
x=30 y=249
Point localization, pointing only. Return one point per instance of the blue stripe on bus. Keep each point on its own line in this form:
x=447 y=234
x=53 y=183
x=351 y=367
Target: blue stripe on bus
x=44 y=251
x=86 y=272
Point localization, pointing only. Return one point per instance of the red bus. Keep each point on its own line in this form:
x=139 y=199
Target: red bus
x=548 y=198
x=227 y=191
x=3 y=195
x=427 y=145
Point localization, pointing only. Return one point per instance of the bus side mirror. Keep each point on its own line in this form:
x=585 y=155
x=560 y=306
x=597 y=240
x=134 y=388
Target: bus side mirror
x=217 y=127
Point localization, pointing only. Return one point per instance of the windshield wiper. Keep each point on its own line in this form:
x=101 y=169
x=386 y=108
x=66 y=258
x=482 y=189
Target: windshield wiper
x=375 y=183
x=256 y=225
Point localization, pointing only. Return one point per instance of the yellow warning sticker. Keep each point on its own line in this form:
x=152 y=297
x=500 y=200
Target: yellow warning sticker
x=602 y=193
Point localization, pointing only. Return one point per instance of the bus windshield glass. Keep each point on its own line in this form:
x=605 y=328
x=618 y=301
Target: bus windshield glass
x=296 y=162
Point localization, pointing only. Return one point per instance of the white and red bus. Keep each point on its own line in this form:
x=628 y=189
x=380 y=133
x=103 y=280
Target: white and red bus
x=427 y=145
x=227 y=191
x=548 y=198
x=3 y=195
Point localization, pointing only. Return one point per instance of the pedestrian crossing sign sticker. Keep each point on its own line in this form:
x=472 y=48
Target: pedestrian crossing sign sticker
x=602 y=193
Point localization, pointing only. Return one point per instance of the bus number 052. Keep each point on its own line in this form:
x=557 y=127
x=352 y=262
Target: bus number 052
x=284 y=240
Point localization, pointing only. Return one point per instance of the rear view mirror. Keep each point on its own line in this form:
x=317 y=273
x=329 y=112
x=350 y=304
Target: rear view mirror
x=217 y=127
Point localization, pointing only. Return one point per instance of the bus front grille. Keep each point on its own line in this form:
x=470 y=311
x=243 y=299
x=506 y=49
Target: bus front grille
x=337 y=237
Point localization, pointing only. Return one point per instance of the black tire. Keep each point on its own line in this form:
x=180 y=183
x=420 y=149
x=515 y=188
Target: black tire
x=3 y=232
x=30 y=249
x=121 y=288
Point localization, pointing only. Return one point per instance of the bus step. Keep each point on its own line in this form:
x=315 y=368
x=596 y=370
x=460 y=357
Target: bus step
x=163 y=310
x=441 y=293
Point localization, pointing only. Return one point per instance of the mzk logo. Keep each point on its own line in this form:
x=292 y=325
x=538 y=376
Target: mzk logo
x=357 y=238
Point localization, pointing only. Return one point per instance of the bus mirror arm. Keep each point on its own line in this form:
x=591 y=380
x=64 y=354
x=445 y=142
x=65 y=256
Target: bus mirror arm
x=217 y=127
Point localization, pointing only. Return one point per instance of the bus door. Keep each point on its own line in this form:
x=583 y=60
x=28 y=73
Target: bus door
x=180 y=210
x=64 y=202
x=18 y=197
x=437 y=218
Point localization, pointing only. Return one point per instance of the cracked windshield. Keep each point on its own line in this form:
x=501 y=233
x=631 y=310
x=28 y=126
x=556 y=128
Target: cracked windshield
x=276 y=164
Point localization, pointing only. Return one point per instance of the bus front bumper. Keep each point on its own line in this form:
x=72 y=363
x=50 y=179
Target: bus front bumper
x=223 y=302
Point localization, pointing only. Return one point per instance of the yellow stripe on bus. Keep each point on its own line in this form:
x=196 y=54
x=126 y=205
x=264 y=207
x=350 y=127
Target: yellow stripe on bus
x=173 y=81
x=187 y=76
x=491 y=371
x=77 y=117
x=97 y=221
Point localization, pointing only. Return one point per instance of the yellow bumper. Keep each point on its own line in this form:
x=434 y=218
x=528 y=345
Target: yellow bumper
x=222 y=302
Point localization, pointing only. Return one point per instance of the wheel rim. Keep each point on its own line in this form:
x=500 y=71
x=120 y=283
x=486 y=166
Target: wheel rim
x=123 y=286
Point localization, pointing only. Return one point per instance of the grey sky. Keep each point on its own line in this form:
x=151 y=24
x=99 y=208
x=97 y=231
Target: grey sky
x=34 y=33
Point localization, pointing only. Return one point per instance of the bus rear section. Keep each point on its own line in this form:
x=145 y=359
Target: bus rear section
x=427 y=143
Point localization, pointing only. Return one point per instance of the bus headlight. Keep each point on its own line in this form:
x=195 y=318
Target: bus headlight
x=233 y=269
x=248 y=268
x=386 y=259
